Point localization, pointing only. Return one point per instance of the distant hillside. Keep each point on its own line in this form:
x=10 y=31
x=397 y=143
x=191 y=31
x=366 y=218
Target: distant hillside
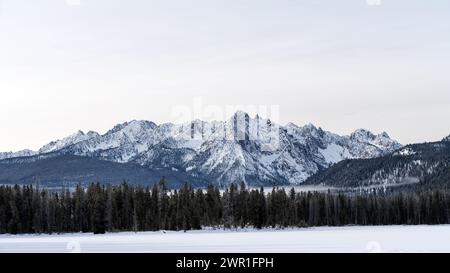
x=425 y=164
x=55 y=170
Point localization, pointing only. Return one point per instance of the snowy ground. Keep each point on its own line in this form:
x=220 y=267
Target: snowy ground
x=323 y=239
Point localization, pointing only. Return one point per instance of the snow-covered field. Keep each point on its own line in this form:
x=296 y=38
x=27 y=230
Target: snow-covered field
x=322 y=239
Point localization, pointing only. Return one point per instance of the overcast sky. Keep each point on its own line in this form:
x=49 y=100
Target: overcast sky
x=67 y=65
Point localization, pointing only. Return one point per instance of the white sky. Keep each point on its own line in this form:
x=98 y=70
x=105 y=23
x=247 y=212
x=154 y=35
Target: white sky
x=341 y=65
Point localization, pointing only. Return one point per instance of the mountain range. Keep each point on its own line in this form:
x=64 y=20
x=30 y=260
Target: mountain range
x=242 y=148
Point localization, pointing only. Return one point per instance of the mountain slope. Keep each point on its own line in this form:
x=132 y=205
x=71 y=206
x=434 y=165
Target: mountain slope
x=55 y=170
x=5 y=155
x=254 y=150
x=424 y=163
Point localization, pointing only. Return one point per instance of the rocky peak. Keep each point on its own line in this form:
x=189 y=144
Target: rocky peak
x=362 y=135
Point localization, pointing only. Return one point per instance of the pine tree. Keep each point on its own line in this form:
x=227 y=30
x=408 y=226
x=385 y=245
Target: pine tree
x=14 y=221
x=261 y=211
x=227 y=209
x=98 y=210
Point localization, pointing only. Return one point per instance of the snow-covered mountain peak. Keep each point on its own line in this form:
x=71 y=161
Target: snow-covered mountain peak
x=306 y=133
x=134 y=125
x=138 y=127
x=67 y=141
x=362 y=135
x=383 y=139
x=385 y=135
x=311 y=129
x=92 y=134
x=240 y=113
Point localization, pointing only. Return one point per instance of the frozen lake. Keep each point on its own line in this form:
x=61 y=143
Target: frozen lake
x=321 y=239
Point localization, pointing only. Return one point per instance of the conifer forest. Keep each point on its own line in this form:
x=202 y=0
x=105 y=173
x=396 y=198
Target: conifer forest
x=105 y=208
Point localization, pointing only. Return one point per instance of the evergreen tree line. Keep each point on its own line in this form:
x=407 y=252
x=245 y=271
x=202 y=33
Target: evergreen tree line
x=99 y=208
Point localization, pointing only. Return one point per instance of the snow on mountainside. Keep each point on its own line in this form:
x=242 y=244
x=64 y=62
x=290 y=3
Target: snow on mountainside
x=427 y=164
x=72 y=139
x=22 y=153
x=242 y=148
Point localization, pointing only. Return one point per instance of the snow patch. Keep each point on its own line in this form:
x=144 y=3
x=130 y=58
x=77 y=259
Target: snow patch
x=334 y=153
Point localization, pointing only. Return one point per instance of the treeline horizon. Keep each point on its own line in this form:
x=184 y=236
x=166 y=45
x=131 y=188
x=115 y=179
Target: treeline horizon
x=107 y=208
